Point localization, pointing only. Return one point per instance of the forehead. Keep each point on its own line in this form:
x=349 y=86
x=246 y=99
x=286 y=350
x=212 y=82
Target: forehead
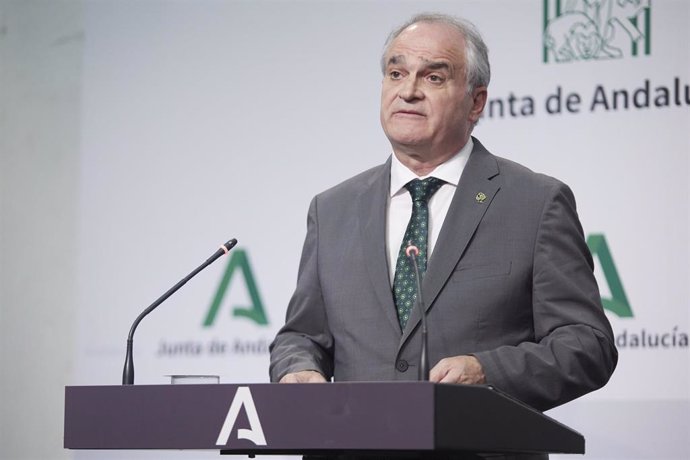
x=429 y=42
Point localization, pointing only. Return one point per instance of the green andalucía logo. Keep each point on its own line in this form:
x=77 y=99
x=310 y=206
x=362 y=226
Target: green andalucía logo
x=255 y=312
x=577 y=30
x=618 y=303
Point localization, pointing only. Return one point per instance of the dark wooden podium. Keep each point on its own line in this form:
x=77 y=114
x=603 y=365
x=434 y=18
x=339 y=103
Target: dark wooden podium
x=335 y=418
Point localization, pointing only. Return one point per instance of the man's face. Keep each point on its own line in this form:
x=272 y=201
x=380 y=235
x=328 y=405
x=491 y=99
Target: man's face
x=425 y=109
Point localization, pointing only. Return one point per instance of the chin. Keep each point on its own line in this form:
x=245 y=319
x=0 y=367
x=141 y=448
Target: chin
x=406 y=137
x=409 y=140
x=408 y=145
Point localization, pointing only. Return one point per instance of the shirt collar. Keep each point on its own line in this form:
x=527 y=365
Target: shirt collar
x=449 y=171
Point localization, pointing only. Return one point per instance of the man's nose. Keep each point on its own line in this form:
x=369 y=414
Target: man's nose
x=410 y=90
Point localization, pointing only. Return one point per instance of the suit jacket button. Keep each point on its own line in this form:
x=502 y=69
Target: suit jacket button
x=401 y=365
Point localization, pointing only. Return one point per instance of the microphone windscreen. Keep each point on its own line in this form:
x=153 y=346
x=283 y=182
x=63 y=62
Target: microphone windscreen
x=412 y=249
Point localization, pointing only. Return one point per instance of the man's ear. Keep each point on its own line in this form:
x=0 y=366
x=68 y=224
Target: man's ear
x=479 y=97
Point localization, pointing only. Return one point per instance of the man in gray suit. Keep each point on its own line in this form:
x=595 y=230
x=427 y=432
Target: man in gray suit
x=510 y=296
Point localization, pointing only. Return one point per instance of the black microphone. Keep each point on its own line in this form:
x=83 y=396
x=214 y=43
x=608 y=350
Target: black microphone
x=412 y=252
x=128 y=371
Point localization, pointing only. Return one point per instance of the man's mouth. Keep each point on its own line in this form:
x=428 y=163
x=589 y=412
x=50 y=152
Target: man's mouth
x=408 y=113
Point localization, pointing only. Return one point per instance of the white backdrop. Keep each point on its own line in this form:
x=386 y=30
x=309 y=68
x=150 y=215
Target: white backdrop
x=208 y=120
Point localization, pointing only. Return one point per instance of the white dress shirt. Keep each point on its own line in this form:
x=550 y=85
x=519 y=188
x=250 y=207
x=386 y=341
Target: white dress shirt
x=400 y=202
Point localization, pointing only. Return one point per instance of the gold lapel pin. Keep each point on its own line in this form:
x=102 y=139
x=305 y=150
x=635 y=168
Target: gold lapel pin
x=481 y=197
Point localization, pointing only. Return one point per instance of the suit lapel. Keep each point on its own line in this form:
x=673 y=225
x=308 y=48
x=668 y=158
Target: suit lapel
x=464 y=215
x=372 y=218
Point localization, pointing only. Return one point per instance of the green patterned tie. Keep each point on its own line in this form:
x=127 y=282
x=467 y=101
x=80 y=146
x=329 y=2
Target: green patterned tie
x=404 y=285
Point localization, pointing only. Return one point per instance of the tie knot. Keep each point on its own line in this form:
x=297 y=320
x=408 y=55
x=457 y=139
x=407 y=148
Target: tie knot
x=422 y=190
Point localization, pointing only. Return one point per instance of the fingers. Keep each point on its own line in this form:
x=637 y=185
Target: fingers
x=454 y=375
x=303 y=377
x=439 y=371
x=446 y=370
x=289 y=378
x=458 y=369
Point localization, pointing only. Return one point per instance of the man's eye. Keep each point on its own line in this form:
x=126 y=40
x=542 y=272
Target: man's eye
x=435 y=78
x=395 y=75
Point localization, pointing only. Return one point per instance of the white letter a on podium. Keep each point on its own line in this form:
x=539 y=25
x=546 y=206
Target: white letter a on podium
x=255 y=434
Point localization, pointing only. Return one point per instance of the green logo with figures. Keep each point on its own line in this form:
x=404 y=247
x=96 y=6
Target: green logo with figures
x=255 y=312
x=618 y=303
x=581 y=30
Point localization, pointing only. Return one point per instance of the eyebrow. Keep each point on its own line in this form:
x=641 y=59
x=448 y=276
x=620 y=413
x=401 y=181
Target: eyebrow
x=438 y=66
x=431 y=65
x=396 y=59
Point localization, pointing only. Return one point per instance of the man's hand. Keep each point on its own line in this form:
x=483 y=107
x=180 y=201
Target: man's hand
x=458 y=369
x=303 y=377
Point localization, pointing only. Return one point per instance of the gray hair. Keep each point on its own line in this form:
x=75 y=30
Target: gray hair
x=478 y=71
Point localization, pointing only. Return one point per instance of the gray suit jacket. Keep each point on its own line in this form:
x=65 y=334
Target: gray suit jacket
x=509 y=281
